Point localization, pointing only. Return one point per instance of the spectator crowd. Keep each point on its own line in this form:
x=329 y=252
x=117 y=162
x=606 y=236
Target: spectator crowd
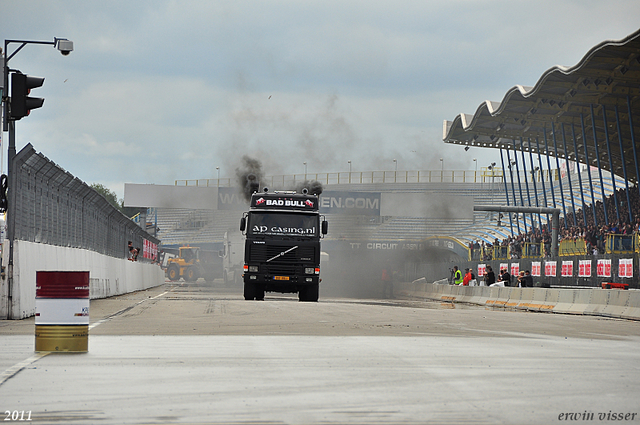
x=573 y=227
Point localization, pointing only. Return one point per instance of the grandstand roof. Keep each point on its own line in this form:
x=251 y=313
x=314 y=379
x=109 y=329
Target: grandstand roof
x=607 y=80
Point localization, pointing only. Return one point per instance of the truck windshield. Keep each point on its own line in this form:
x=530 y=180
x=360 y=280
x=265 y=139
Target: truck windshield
x=282 y=224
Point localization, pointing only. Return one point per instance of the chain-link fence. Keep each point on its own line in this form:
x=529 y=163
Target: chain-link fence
x=53 y=207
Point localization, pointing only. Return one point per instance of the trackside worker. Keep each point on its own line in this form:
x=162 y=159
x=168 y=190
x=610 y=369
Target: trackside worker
x=457 y=276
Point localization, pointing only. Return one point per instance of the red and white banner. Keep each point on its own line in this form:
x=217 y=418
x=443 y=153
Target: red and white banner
x=567 y=269
x=515 y=269
x=504 y=266
x=535 y=268
x=604 y=268
x=482 y=268
x=149 y=249
x=625 y=267
x=550 y=268
x=584 y=268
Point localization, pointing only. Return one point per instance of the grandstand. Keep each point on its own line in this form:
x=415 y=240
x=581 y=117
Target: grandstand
x=186 y=226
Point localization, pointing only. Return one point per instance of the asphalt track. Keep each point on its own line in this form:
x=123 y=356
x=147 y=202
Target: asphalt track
x=198 y=354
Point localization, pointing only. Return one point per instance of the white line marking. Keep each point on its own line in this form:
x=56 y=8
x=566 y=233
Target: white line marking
x=13 y=370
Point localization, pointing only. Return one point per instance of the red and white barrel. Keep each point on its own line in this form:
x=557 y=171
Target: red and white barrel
x=62 y=311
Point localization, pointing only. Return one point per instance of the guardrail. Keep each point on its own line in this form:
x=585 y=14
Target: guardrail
x=365 y=177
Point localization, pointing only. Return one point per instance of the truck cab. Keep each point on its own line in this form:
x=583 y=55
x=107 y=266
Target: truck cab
x=282 y=246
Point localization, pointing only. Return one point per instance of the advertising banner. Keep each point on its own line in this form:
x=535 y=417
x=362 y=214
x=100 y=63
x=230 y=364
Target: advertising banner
x=550 y=268
x=504 y=266
x=360 y=203
x=625 y=267
x=584 y=268
x=604 y=268
x=535 y=268
x=515 y=269
x=567 y=269
x=230 y=198
x=149 y=249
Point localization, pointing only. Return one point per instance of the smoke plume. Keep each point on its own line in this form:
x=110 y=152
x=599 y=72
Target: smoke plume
x=314 y=187
x=248 y=176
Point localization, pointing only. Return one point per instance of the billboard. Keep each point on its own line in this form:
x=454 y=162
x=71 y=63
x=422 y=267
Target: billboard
x=358 y=203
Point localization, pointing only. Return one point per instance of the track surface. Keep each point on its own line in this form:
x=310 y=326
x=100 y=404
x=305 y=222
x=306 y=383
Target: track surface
x=193 y=353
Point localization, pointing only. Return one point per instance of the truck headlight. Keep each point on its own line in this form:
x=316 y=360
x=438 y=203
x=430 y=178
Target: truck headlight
x=253 y=269
x=309 y=270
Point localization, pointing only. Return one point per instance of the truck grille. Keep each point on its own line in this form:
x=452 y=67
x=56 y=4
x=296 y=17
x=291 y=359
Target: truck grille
x=261 y=253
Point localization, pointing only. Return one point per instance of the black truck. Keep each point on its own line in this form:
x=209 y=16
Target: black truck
x=282 y=247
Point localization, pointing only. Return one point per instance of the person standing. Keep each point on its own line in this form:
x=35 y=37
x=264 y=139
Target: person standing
x=505 y=277
x=527 y=282
x=387 y=284
x=467 y=277
x=457 y=276
x=489 y=276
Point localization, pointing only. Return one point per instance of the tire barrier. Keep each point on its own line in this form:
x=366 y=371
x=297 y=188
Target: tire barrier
x=616 y=303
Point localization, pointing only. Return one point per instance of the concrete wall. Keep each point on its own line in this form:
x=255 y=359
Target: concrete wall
x=108 y=275
x=623 y=304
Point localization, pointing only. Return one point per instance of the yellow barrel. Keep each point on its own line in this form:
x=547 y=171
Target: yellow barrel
x=62 y=338
x=62 y=311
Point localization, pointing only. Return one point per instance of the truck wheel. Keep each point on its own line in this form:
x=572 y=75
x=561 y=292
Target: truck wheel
x=173 y=273
x=191 y=274
x=260 y=292
x=249 y=291
x=309 y=293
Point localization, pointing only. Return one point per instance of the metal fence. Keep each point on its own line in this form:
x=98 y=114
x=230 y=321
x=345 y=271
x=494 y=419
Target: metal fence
x=55 y=208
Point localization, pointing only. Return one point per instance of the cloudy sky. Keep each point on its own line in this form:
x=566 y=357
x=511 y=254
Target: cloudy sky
x=162 y=90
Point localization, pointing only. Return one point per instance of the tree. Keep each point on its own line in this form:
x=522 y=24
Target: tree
x=109 y=195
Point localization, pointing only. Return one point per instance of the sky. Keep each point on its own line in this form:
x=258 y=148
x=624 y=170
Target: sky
x=159 y=91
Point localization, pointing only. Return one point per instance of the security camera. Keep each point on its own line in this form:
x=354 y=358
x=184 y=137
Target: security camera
x=65 y=47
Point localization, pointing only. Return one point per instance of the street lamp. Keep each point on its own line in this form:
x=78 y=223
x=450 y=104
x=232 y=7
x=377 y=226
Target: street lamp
x=305 y=170
x=441 y=170
x=475 y=175
x=395 y=172
x=218 y=170
x=65 y=47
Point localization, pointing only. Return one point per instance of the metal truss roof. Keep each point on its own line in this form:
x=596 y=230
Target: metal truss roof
x=603 y=88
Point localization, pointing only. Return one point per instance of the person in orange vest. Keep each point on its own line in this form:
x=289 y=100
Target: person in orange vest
x=467 y=277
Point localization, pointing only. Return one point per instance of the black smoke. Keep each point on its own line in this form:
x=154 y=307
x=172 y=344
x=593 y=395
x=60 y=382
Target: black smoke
x=248 y=176
x=314 y=187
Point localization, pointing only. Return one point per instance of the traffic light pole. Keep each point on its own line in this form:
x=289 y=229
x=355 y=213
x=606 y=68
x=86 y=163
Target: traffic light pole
x=65 y=47
x=11 y=216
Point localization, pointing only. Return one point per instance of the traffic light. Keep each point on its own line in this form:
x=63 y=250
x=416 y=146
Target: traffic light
x=21 y=103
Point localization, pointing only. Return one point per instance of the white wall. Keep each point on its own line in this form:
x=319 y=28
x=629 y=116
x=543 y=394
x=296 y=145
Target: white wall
x=108 y=276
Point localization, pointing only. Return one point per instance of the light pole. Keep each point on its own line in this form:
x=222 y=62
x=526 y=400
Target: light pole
x=65 y=47
x=395 y=172
x=349 y=162
x=218 y=170
x=305 y=170
x=475 y=175
x=441 y=170
x=492 y=168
